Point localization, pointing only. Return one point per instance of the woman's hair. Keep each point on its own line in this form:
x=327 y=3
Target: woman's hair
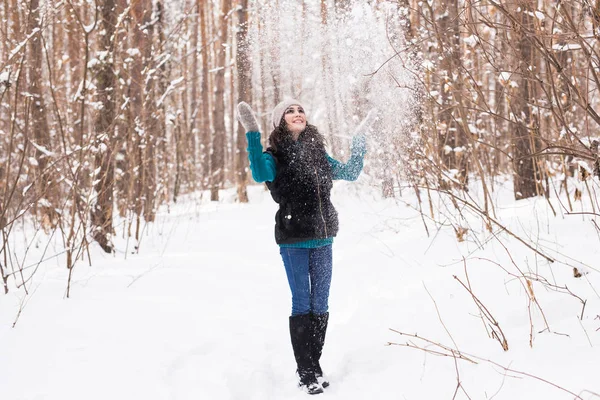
x=282 y=134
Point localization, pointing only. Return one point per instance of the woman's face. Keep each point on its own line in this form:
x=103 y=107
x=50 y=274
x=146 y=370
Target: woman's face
x=295 y=119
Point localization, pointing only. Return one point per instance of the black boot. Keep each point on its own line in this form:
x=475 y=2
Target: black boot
x=300 y=335
x=318 y=327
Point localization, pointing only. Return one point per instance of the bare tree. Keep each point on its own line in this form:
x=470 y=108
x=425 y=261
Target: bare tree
x=206 y=120
x=102 y=212
x=138 y=130
x=217 y=161
x=453 y=144
x=151 y=120
x=499 y=88
x=244 y=76
x=194 y=106
x=162 y=85
x=39 y=121
x=328 y=79
x=525 y=125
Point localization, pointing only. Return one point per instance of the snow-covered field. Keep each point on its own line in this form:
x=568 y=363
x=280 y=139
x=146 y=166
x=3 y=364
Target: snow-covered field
x=202 y=311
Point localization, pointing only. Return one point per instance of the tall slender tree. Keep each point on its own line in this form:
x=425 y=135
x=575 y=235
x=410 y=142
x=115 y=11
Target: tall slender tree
x=452 y=133
x=150 y=115
x=39 y=122
x=102 y=212
x=525 y=125
x=244 y=77
x=141 y=11
x=205 y=134
x=194 y=106
x=328 y=78
x=218 y=143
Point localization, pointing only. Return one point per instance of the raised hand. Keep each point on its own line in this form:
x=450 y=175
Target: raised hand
x=247 y=118
x=359 y=140
x=367 y=124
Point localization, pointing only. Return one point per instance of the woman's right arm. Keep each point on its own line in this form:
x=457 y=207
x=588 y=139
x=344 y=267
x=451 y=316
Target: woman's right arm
x=262 y=164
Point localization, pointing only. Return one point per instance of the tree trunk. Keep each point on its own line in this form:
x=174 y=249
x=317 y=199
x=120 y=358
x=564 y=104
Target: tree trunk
x=525 y=127
x=275 y=47
x=265 y=121
x=141 y=11
x=102 y=212
x=453 y=143
x=39 y=122
x=244 y=75
x=72 y=70
x=161 y=130
x=205 y=121
x=184 y=167
x=328 y=78
x=218 y=142
x=150 y=120
x=194 y=107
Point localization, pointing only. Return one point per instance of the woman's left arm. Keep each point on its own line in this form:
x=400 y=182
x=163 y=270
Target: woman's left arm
x=352 y=169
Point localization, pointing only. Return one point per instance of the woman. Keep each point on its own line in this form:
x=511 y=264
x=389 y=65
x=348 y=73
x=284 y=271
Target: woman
x=299 y=174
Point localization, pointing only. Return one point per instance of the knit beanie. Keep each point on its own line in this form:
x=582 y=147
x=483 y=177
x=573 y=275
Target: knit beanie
x=280 y=109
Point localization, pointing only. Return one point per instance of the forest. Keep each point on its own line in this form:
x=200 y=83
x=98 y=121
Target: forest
x=113 y=108
x=137 y=257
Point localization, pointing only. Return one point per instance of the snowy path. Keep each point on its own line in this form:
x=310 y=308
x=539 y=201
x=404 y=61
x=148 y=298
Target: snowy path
x=201 y=313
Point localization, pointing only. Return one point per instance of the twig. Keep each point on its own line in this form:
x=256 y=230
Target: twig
x=505 y=229
x=469 y=284
x=497 y=333
x=446 y=351
x=586 y=334
x=440 y=316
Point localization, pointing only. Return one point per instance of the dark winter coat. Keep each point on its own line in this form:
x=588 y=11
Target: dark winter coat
x=302 y=188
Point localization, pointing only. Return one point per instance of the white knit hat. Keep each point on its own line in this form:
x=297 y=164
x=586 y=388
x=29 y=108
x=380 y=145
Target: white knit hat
x=280 y=109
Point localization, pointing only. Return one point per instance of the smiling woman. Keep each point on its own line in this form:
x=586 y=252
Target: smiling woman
x=295 y=120
x=299 y=173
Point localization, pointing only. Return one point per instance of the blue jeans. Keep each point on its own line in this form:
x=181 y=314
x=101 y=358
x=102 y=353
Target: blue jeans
x=309 y=275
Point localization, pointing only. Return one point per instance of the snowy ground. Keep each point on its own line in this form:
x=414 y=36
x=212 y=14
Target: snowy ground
x=202 y=311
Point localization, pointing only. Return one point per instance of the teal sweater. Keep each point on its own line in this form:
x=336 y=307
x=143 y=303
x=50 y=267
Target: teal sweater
x=263 y=169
